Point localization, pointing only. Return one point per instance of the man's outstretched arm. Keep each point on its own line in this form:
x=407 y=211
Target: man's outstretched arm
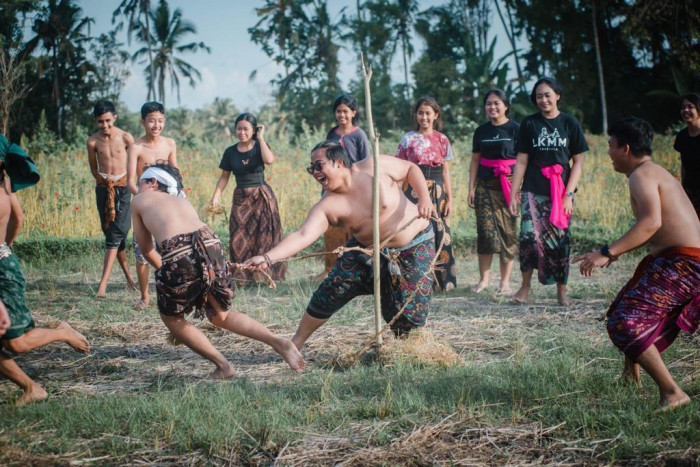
x=143 y=237
x=314 y=226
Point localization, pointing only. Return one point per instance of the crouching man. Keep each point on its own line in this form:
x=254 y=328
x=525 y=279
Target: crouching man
x=192 y=272
x=663 y=296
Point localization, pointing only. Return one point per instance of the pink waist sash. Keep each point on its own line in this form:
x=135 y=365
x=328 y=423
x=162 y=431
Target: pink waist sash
x=556 y=193
x=501 y=169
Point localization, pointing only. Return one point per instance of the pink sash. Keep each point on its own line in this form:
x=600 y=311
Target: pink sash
x=501 y=169
x=556 y=192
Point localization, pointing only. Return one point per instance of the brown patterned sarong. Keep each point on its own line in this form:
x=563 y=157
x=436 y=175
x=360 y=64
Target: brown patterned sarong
x=495 y=227
x=193 y=267
x=254 y=228
x=110 y=207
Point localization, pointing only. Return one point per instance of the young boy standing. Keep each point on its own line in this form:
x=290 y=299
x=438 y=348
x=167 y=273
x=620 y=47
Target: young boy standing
x=146 y=151
x=107 y=158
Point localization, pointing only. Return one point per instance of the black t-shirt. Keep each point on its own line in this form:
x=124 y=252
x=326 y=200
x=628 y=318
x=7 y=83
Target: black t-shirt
x=495 y=142
x=689 y=147
x=247 y=167
x=549 y=141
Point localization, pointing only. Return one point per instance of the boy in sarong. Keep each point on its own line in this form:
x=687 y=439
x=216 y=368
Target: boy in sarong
x=191 y=270
x=20 y=335
x=148 y=149
x=663 y=296
x=347 y=203
x=107 y=158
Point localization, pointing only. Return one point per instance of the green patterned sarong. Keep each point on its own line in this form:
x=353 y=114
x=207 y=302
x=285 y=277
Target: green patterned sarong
x=12 y=294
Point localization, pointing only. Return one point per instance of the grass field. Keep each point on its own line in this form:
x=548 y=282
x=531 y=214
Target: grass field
x=534 y=384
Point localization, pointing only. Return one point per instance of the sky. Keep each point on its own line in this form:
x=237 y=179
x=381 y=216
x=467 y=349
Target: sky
x=223 y=26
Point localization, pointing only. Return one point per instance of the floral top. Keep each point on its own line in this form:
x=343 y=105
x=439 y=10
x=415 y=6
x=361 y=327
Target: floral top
x=431 y=150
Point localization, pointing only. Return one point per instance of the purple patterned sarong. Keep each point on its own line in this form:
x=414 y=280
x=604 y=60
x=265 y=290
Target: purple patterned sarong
x=661 y=299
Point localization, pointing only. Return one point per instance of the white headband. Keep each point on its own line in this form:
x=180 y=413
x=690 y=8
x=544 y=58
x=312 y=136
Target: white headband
x=163 y=177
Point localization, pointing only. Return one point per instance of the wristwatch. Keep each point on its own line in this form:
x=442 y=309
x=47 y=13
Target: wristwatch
x=605 y=251
x=570 y=194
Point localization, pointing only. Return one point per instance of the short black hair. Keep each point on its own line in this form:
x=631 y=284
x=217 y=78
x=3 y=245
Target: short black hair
x=172 y=170
x=636 y=133
x=102 y=107
x=350 y=101
x=549 y=81
x=150 y=107
x=334 y=152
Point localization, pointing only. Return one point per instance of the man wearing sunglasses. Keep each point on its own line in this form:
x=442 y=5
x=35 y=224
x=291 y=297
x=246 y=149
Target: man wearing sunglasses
x=347 y=204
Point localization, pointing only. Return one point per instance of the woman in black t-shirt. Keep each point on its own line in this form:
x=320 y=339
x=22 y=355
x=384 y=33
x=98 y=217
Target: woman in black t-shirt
x=688 y=145
x=493 y=155
x=547 y=141
x=254 y=223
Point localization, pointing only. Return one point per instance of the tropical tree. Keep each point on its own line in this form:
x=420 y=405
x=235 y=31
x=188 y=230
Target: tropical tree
x=220 y=117
x=59 y=30
x=164 y=45
x=307 y=48
x=136 y=13
x=111 y=64
x=458 y=65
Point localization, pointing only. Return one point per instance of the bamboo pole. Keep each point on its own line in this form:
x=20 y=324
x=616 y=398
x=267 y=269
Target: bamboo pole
x=374 y=137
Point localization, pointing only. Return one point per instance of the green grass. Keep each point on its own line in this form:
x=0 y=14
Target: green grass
x=136 y=398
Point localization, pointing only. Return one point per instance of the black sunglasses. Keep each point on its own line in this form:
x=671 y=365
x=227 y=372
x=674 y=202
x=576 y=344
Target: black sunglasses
x=316 y=166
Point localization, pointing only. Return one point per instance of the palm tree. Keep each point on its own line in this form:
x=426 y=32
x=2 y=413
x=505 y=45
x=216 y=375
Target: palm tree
x=134 y=11
x=59 y=31
x=221 y=116
x=168 y=32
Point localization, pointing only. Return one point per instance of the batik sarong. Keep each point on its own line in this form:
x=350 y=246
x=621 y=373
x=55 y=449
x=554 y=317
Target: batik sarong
x=661 y=299
x=254 y=228
x=542 y=245
x=114 y=207
x=405 y=279
x=193 y=266
x=495 y=227
x=445 y=271
x=12 y=294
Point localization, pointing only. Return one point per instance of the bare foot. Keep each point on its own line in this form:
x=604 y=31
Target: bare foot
x=672 y=402
x=35 y=394
x=74 y=338
x=630 y=373
x=130 y=283
x=101 y=291
x=225 y=372
x=480 y=286
x=141 y=304
x=565 y=301
x=291 y=354
x=521 y=295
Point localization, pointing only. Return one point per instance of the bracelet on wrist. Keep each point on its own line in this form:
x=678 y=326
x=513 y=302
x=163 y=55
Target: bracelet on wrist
x=267 y=259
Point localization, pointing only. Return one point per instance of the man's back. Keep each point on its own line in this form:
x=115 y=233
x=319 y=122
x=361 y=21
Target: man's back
x=164 y=215
x=679 y=223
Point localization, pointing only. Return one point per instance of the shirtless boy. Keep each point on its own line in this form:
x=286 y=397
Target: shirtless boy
x=107 y=157
x=191 y=271
x=20 y=333
x=148 y=149
x=347 y=204
x=663 y=296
